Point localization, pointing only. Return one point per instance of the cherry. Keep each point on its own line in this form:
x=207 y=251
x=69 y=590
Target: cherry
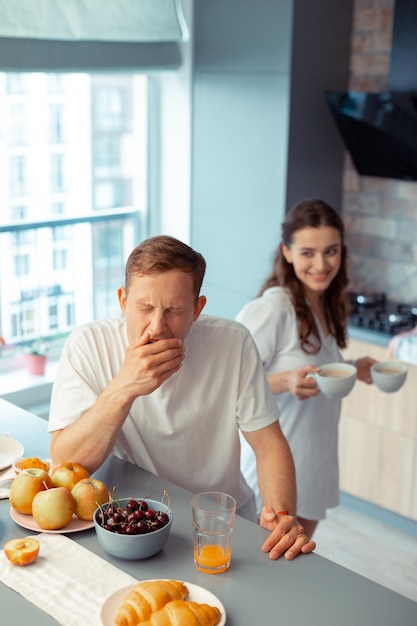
x=162 y=518
x=101 y=516
x=157 y=525
x=137 y=518
x=142 y=527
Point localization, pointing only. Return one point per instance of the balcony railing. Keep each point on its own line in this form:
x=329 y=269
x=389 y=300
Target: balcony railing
x=60 y=273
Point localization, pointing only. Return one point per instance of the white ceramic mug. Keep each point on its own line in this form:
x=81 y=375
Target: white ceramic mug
x=335 y=380
x=389 y=376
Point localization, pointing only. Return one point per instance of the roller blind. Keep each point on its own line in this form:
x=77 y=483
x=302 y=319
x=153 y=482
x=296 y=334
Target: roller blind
x=93 y=20
x=91 y=35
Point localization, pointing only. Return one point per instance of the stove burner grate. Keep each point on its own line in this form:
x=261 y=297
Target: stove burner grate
x=375 y=312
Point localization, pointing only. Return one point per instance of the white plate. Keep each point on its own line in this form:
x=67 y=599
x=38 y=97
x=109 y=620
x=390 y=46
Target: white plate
x=195 y=594
x=10 y=450
x=27 y=521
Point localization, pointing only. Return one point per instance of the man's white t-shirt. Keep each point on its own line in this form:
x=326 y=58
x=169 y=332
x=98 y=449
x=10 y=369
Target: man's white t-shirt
x=187 y=430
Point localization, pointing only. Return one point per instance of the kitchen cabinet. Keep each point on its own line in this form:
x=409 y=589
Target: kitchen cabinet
x=378 y=440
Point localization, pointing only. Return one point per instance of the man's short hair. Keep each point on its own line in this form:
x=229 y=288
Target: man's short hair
x=163 y=253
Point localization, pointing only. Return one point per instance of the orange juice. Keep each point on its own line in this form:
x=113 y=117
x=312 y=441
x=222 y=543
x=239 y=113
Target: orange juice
x=213 y=516
x=212 y=559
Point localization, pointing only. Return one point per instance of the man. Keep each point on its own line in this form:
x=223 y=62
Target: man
x=168 y=389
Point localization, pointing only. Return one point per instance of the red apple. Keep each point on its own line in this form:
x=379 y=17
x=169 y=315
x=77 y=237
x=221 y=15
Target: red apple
x=88 y=494
x=54 y=508
x=26 y=486
x=67 y=474
x=22 y=551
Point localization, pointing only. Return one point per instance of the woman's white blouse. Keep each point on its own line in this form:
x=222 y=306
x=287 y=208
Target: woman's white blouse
x=311 y=426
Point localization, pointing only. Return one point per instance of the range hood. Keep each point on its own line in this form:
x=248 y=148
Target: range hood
x=379 y=131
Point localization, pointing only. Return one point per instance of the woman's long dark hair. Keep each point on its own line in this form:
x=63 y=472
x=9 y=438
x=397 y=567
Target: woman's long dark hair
x=307 y=214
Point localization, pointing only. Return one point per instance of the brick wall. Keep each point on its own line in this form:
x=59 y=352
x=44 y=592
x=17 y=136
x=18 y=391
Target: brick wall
x=380 y=213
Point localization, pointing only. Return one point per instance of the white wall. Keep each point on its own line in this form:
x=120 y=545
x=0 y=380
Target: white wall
x=241 y=95
x=171 y=150
x=246 y=132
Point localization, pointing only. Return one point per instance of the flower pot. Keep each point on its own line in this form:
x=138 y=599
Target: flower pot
x=35 y=364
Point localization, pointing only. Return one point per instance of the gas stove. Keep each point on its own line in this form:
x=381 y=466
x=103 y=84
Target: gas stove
x=375 y=312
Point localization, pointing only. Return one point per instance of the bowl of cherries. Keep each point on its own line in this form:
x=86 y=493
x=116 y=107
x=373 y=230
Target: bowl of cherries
x=133 y=528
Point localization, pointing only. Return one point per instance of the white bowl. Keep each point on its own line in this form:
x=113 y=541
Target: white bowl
x=389 y=376
x=133 y=547
x=335 y=380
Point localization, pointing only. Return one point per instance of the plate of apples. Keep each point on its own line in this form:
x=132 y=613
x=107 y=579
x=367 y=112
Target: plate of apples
x=60 y=501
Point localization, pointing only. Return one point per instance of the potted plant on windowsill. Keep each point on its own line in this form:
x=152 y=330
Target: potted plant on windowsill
x=35 y=358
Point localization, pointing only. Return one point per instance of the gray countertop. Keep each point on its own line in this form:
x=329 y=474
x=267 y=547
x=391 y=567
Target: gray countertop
x=309 y=589
x=368 y=336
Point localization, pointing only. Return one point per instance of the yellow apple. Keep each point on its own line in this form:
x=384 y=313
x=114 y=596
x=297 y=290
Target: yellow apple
x=54 y=508
x=67 y=474
x=26 y=486
x=22 y=551
x=88 y=494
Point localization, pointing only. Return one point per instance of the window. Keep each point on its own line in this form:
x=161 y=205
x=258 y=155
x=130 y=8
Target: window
x=60 y=259
x=110 y=106
x=58 y=208
x=56 y=123
x=18 y=176
x=21 y=265
x=18 y=212
x=17 y=126
x=74 y=147
x=57 y=172
x=15 y=83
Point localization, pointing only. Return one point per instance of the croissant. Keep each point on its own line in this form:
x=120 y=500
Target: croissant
x=146 y=597
x=182 y=613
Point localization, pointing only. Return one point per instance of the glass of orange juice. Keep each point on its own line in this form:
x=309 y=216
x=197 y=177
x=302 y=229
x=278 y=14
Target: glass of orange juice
x=213 y=514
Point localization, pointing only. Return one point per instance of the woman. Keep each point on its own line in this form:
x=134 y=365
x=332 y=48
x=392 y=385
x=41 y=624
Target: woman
x=298 y=322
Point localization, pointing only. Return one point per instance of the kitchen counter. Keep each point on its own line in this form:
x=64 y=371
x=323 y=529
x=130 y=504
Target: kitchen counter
x=369 y=336
x=309 y=589
x=378 y=439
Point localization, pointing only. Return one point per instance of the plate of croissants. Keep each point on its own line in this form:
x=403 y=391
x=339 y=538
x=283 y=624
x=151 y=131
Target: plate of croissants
x=170 y=602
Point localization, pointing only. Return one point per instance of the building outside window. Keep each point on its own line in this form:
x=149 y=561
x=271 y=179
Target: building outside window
x=73 y=192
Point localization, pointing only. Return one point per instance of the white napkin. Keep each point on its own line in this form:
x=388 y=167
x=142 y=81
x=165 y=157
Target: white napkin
x=67 y=581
